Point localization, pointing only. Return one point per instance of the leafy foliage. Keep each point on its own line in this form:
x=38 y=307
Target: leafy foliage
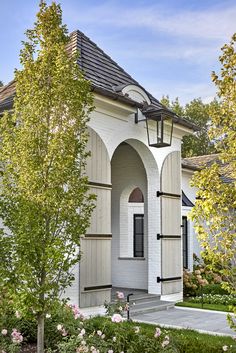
x=200 y=279
x=215 y=210
x=199 y=113
x=45 y=203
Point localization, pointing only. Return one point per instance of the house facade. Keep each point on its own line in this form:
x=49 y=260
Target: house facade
x=135 y=237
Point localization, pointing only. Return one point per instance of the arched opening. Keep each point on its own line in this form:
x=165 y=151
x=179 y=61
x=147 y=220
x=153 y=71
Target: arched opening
x=129 y=219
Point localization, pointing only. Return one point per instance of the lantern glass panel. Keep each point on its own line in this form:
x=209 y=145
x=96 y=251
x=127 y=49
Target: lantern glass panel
x=152 y=131
x=167 y=130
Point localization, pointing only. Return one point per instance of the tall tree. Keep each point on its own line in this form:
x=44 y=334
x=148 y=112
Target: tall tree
x=215 y=210
x=1 y=83
x=199 y=113
x=45 y=203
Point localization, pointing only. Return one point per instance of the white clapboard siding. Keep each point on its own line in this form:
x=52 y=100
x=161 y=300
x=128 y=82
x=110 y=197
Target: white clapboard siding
x=95 y=264
x=171 y=225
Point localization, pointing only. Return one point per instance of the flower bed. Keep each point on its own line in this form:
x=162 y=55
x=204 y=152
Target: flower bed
x=214 y=299
x=67 y=331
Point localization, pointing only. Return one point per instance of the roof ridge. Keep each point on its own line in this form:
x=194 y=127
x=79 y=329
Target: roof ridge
x=2 y=88
x=202 y=156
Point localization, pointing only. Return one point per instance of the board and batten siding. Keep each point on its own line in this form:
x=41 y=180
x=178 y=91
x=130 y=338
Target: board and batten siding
x=171 y=268
x=95 y=263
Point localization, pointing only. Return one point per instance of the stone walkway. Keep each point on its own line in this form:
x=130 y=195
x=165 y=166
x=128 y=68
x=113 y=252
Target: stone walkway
x=205 y=321
x=201 y=320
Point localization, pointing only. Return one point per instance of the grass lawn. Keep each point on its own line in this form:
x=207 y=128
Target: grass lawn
x=185 y=341
x=217 y=307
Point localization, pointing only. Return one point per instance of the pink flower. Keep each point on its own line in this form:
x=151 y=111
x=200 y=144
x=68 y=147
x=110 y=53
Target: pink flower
x=76 y=311
x=16 y=336
x=157 y=333
x=110 y=351
x=120 y=295
x=4 y=332
x=116 y=318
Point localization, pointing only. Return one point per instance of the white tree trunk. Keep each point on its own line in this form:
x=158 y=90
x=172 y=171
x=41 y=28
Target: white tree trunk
x=40 y=334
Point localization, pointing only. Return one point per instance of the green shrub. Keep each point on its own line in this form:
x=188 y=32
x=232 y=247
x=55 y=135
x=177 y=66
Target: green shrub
x=214 y=289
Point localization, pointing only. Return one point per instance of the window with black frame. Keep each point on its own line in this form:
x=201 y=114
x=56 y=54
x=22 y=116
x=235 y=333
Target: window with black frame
x=185 y=240
x=138 y=235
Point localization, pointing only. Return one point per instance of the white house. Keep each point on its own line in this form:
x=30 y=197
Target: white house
x=134 y=240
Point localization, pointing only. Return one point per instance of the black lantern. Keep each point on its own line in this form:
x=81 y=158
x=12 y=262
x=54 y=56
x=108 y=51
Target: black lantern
x=159 y=122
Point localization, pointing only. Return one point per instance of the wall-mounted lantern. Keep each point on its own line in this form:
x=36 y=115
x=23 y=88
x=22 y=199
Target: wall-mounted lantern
x=159 y=122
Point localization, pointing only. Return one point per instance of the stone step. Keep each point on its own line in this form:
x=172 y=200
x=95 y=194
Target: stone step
x=145 y=307
x=141 y=301
x=144 y=298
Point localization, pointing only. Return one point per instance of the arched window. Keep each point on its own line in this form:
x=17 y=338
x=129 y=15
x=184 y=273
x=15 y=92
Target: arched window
x=136 y=196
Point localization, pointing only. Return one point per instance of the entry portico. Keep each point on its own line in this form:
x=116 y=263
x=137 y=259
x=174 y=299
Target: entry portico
x=120 y=162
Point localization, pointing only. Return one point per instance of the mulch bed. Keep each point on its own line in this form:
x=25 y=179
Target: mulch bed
x=29 y=348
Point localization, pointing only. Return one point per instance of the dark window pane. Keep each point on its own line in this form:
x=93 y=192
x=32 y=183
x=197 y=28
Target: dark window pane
x=185 y=241
x=138 y=235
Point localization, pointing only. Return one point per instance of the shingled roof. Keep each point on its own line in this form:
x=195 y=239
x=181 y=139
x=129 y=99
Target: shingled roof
x=106 y=77
x=200 y=162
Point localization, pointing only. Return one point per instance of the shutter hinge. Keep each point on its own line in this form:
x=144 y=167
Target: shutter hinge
x=159 y=279
x=162 y=193
x=169 y=236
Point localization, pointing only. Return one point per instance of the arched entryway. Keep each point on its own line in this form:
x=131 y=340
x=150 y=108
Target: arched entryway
x=135 y=217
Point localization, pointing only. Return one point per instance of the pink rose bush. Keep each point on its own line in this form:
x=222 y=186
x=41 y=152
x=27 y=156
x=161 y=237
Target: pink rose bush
x=103 y=340
x=119 y=305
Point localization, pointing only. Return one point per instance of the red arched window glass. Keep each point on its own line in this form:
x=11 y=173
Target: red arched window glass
x=136 y=196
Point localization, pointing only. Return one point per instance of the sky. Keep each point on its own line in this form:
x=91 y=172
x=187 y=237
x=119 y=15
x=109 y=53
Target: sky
x=169 y=46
